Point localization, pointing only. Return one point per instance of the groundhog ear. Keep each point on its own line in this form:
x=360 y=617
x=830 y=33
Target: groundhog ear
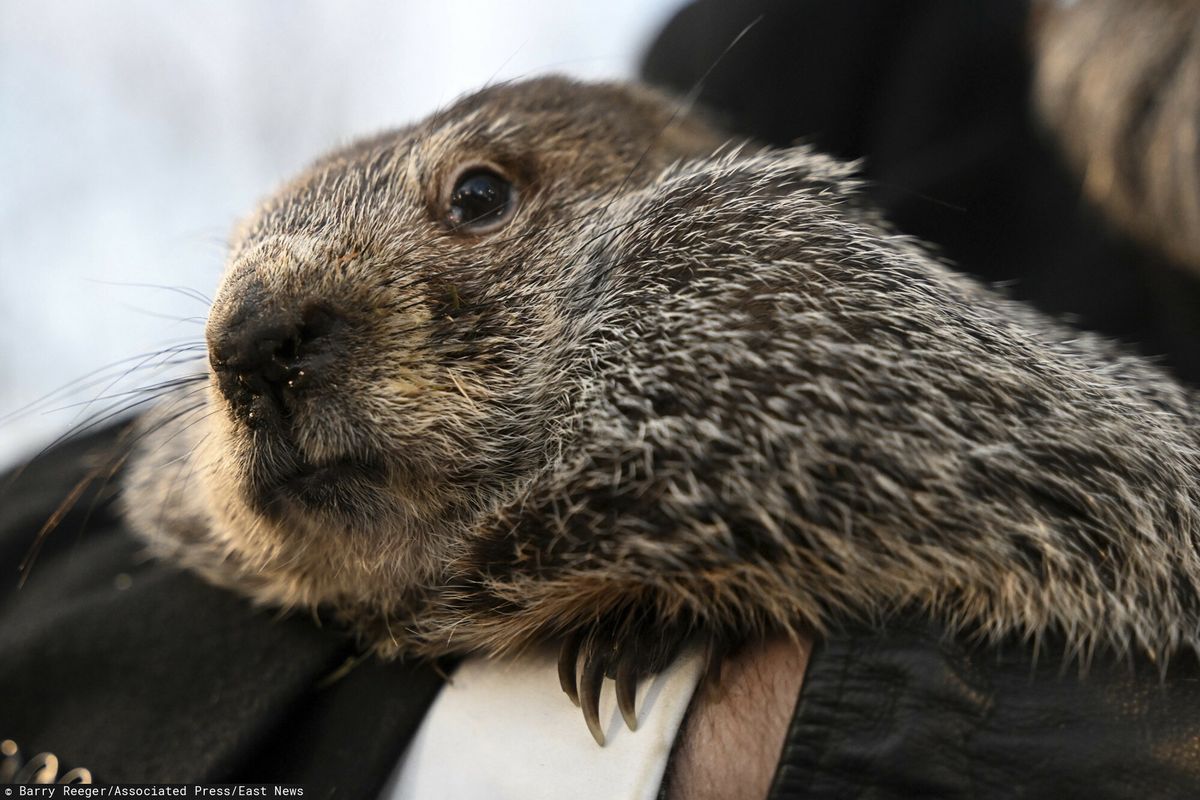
x=692 y=135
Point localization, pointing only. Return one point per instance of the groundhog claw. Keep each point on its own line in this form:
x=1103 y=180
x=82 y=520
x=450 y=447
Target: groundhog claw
x=568 y=659
x=627 y=679
x=602 y=656
x=589 y=693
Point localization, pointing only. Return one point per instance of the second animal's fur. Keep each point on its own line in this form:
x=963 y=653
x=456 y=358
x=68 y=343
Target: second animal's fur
x=1119 y=82
x=666 y=391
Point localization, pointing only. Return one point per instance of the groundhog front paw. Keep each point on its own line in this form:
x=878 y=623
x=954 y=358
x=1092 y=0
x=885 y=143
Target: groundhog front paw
x=626 y=653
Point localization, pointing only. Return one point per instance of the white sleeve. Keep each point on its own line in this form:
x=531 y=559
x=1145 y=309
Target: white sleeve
x=504 y=730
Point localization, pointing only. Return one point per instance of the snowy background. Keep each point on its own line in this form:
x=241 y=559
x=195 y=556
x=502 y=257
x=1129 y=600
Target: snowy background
x=134 y=132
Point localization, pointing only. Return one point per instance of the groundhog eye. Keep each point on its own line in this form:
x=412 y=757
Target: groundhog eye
x=481 y=200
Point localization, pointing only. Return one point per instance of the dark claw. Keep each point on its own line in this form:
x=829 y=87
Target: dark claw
x=627 y=691
x=626 y=649
x=568 y=659
x=589 y=692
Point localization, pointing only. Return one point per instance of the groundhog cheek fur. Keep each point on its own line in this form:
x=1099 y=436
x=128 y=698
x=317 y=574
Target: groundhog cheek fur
x=692 y=388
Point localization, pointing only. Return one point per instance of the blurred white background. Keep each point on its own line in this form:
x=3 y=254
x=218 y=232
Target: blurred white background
x=134 y=132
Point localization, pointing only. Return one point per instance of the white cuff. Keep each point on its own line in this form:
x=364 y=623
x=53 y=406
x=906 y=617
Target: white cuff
x=504 y=730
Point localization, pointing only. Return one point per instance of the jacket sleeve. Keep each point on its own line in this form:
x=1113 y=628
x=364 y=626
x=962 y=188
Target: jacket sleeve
x=908 y=712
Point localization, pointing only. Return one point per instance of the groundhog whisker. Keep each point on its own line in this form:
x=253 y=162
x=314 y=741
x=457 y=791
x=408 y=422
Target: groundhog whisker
x=156 y=361
x=93 y=378
x=78 y=429
x=68 y=503
x=98 y=419
x=159 y=389
x=169 y=317
x=110 y=464
x=183 y=291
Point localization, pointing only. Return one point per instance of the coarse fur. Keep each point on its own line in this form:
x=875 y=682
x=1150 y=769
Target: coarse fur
x=691 y=388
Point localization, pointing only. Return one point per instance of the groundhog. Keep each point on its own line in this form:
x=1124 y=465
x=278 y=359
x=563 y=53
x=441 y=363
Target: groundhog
x=564 y=362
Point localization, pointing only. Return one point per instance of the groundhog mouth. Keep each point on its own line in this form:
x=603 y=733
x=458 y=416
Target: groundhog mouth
x=343 y=488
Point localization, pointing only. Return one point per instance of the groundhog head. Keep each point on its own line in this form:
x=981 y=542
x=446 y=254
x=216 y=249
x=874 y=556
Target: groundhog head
x=387 y=345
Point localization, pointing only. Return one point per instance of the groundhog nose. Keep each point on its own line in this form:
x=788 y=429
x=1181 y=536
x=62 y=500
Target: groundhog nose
x=264 y=358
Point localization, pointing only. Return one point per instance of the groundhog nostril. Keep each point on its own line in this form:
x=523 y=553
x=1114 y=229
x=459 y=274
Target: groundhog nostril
x=261 y=359
x=316 y=323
